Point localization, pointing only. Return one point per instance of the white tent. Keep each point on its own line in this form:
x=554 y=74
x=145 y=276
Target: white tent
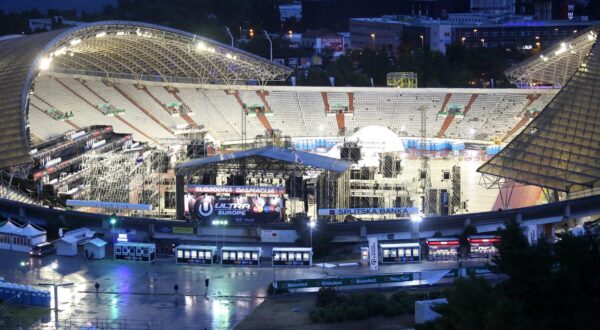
x=373 y=140
x=97 y=247
x=7 y=230
x=16 y=238
x=67 y=246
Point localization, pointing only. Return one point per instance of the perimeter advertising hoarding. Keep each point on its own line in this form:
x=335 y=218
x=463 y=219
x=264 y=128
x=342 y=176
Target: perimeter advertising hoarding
x=239 y=209
x=343 y=281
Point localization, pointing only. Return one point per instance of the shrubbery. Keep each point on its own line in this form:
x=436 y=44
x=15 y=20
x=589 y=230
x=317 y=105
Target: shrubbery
x=334 y=307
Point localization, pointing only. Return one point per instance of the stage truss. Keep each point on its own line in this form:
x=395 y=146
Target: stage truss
x=127 y=177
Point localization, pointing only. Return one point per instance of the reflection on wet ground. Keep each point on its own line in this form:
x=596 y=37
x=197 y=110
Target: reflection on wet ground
x=144 y=293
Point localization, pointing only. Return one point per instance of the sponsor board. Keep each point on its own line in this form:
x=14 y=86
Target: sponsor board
x=238 y=190
x=278 y=236
x=373 y=253
x=403 y=212
x=344 y=281
x=478 y=270
x=183 y=230
x=240 y=209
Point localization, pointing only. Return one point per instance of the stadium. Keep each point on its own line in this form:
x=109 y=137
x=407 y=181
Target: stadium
x=152 y=124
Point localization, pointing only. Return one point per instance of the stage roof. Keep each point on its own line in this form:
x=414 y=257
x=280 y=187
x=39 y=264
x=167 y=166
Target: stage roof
x=275 y=153
x=560 y=148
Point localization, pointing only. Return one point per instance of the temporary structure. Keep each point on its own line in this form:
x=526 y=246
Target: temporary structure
x=67 y=246
x=16 y=238
x=96 y=248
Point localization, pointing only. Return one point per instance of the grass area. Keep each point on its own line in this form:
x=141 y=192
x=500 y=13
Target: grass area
x=292 y=312
x=13 y=317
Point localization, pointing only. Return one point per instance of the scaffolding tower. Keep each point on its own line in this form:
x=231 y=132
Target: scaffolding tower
x=126 y=177
x=429 y=197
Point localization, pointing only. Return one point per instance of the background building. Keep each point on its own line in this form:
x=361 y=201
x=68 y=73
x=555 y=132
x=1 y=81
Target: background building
x=289 y=10
x=470 y=30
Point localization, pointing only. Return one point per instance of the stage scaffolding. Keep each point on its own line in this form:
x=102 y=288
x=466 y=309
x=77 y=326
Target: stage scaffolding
x=129 y=177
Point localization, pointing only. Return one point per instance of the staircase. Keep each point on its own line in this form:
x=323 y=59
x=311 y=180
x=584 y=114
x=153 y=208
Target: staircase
x=14 y=195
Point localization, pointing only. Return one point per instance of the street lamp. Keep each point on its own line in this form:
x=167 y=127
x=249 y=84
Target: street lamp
x=422 y=41
x=222 y=224
x=372 y=40
x=482 y=42
x=23 y=265
x=416 y=219
x=311 y=225
x=113 y=222
x=270 y=44
x=54 y=267
x=230 y=35
x=462 y=40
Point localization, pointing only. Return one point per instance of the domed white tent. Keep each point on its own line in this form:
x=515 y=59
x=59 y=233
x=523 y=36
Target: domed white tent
x=373 y=140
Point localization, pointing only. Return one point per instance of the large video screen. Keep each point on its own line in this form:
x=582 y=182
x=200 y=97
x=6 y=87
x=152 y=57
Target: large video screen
x=235 y=209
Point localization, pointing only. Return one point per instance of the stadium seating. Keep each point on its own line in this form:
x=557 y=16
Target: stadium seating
x=299 y=112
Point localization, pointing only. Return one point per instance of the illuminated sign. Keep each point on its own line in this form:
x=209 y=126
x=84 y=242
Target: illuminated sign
x=240 y=209
x=403 y=212
x=238 y=190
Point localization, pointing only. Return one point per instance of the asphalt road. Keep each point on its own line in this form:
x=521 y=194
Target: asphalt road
x=129 y=292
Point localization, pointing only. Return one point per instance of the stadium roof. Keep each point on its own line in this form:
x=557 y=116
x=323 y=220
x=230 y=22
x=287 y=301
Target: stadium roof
x=275 y=153
x=560 y=148
x=556 y=64
x=113 y=49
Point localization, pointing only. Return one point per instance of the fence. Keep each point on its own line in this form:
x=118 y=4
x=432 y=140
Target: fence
x=98 y=324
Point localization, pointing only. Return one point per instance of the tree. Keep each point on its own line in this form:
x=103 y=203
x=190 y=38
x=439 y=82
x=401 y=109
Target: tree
x=547 y=287
x=468 y=304
x=464 y=237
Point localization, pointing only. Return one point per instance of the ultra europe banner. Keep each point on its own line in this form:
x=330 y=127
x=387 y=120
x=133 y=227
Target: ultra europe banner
x=240 y=209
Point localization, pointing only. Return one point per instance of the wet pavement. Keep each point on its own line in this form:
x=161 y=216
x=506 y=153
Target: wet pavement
x=129 y=291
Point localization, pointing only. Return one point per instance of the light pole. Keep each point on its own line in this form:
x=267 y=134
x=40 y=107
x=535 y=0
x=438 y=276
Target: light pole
x=482 y=42
x=422 y=41
x=373 y=40
x=55 y=285
x=463 y=40
x=416 y=220
x=311 y=225
x=230 y=36
x=222 y=224
x=113 y=222
x=24 y=265
x=270 y=44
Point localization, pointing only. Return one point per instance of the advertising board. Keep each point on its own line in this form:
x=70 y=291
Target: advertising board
x=238 y=209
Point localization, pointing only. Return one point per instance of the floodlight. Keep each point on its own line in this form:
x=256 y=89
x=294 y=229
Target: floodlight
x=45 y=63
x=417 y=217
